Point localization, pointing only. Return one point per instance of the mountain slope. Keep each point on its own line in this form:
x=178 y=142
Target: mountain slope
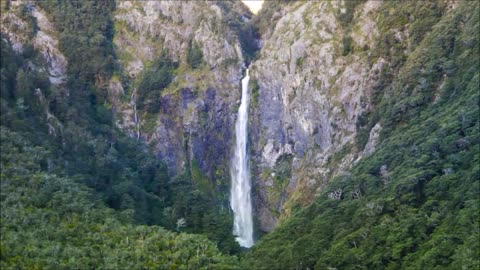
x=69 y=114
x=318 y=82
x=52 y=222
x=412 y=204
x=117 y=117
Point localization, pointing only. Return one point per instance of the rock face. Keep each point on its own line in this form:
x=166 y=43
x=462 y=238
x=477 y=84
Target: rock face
x=43 y=38
x=46 y=42
x=146 y=28
x=306 y=109
x=16 y=27
x=193 y=126
x=312 y=84
x=312 y=92
x=195 y=121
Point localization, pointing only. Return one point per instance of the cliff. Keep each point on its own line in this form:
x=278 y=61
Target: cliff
x=319 y=77
x=194 y=122
x=318 y=83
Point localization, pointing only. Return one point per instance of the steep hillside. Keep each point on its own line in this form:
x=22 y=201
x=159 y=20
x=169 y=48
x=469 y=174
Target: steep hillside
x=117 y=117
x=72 y=107
x=413 y=202
x=53 y=222
x=318 y=82
x=311 y=92
x=176 y=89
x=188 y=117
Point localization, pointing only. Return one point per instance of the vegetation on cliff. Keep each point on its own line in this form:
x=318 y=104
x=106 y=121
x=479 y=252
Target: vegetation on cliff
x=54 y=222
x=413 y=204
x=68 y=132
x=77 y=192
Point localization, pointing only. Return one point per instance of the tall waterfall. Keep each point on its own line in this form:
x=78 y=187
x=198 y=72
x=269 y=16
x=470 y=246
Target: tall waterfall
x=240 y=173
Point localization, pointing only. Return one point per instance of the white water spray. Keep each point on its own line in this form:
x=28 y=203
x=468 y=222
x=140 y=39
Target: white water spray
x=240 y=192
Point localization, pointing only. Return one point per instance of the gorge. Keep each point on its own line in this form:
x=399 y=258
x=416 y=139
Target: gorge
x=197 y=135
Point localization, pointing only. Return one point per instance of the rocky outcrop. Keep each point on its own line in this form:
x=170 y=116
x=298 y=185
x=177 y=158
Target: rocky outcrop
x=43 y=37
x=46 y=42
x=27 y=28
x=14 y=28
x=147 y=28
x=197 y=110
x=372 y=140
x=312 y=91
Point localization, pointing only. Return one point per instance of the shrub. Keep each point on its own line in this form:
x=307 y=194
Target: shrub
x=194 y=55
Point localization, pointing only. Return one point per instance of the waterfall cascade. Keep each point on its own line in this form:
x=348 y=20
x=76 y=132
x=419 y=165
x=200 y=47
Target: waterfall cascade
x=240 y=200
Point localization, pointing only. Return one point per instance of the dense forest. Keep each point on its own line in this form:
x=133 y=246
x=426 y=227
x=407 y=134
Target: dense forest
x=78 y=192
x=62 y=155
x=414 y=204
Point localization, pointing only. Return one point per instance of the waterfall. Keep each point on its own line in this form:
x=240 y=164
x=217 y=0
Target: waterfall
x=133 y=104
x=239 y=170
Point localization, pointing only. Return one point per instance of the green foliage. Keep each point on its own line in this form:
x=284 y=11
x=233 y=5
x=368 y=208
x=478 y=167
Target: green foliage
x=6 y=6
x=9 y=63
x=79 y=160
x=416 y=17
x=18 y=88
x=347 y=45
x=154 y=80
x=194 y=55
x=413 y=204
x=255 y=92
x=24 y=12
x=86 y=32
x=281 y=174
x=192 y=199
x=346 y=17
x=300 y=62
x=82 y=142
x=52 y=222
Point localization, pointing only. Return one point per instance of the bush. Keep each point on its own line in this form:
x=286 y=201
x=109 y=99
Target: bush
x=347 y=45
x=61 y=224
x=154 y=80
x=194 y=55
x=413 y=204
